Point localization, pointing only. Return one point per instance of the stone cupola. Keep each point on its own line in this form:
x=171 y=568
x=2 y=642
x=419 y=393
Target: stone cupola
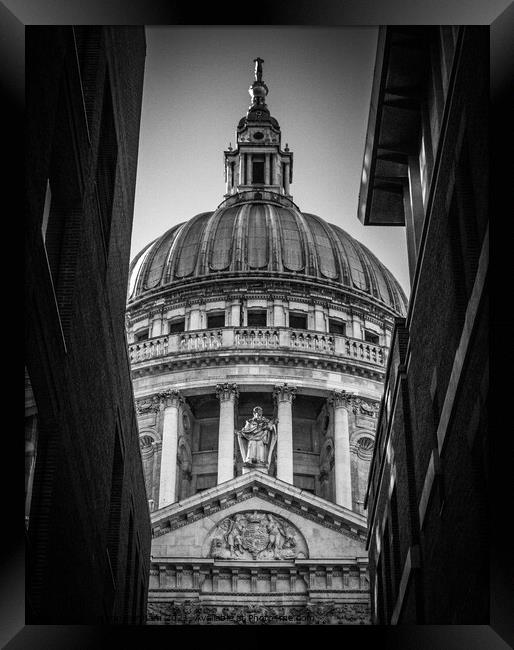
x=258 y=162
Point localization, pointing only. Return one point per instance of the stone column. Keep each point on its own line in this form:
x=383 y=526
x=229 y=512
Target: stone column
x=249 y=172
x=284 y=395
x=235 y=312
x=227 y=395
x=319 y=318
x=286 y=178
x=156 y=329
x=241 y=169
x=356 y=326
x=267 y=179
x=275 y=165
x=342 y=464
x=170 y=401
x=279 y=314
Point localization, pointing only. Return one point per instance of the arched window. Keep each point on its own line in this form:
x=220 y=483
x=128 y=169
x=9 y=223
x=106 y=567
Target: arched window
x=364 y=447
x=146 y=442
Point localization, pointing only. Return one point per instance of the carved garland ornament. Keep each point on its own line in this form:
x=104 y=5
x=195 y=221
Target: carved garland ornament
x=355 y=403
x=190 y=612
x=159 y=401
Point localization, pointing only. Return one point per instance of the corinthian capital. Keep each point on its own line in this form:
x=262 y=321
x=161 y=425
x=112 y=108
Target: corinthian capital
x=227 y=391
x=170 y=397
x=284 y=393
x=342 y=399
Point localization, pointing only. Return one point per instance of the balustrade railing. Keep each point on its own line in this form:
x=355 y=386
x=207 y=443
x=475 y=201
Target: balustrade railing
x=227 y=338
x=250 y=337
x=206 y=340
x=144 y=350
x=314 y=341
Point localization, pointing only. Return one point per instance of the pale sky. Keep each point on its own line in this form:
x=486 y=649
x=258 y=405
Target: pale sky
x=196 y=91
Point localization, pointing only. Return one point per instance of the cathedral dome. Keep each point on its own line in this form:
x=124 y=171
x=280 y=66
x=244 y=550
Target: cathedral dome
x=259 y=234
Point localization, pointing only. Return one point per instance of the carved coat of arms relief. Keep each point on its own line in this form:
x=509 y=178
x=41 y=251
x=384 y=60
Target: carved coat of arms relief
x=256 y=535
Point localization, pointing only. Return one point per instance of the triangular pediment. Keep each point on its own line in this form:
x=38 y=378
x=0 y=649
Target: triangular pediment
x=182 y=528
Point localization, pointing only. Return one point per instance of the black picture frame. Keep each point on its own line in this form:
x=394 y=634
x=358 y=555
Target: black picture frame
x=499 y=15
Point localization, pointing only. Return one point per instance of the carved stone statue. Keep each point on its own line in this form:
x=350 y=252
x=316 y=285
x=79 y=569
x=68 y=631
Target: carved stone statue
x=257 y=440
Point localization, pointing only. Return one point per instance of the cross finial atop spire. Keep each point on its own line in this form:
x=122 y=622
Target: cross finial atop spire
x=258 y=68
x=258 y=90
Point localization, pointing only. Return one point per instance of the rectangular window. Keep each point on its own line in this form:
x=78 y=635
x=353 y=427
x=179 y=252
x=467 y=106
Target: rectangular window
x=258 y=169
x=113 y=530
x=142 y=335
x=298 y=321
x=396 y=569
x=31 y=437
x=336 y=326
x=371 y=337
x=46 y=209
x=447 y=47
x=464 y=241
x=388 y=573
x=208 y=436
x=135 y=591
x=128 y=569
x=257 y=318
x=215 y=319
x=423 y=169
x=302 y=436
x=176 y=326
x=141 y=603
x=87 y=43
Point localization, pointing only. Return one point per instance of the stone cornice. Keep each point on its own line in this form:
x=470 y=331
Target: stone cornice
x=267 y=488
x=291 y=285
x=297 y=358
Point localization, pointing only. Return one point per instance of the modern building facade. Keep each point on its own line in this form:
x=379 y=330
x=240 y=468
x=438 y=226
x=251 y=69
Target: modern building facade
x=87 y=519
x=258 y=339
x=425 y=167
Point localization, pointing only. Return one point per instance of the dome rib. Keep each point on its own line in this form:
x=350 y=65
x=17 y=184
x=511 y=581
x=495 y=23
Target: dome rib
x=187 y=256
x=326 y=256
x=222 y=241
x=292 y=248
x=260 y=237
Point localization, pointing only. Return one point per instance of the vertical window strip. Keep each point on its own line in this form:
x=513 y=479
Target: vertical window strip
x=220 y=255
x=188 y=254
x=157 y=259
x=324 y=250
x=257 y=237
x=113 y=530
x=106 y=162
x=128 y=570
x=292 y=245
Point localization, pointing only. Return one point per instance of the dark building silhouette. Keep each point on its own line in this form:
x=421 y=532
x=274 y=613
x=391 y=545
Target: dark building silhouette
x=87 y=519
x=425 y=167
